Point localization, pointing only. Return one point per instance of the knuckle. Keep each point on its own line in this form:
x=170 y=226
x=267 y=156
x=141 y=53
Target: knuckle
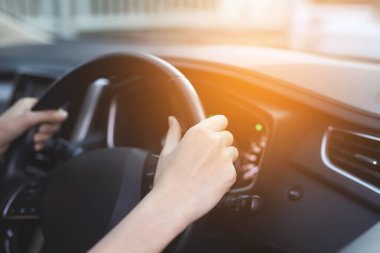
x=235 y=151
x=26 y=101
x=231 y=153
x=199 y=131
x=50 y=114
x=27 y=118
x=23 y=100
x=215 y=139
x=229 y=136
x=193 y=130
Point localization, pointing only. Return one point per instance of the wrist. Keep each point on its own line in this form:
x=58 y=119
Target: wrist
x=167 y=204
x=154 y=215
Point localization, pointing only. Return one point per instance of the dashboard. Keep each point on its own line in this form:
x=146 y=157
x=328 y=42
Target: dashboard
x=288 y=168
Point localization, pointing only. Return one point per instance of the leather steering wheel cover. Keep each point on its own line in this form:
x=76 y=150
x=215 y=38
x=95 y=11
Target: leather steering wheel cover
x=125 y=64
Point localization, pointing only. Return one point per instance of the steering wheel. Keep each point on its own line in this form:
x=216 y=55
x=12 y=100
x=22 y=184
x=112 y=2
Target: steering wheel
x=92 y=192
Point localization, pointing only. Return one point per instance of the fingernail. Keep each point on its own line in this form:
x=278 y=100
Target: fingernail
x=63 y=113
x=170 y=119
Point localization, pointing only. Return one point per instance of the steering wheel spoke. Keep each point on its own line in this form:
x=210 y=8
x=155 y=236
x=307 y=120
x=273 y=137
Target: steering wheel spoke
x=149 y=172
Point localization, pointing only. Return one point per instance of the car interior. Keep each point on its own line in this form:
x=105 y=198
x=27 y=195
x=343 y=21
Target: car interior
x=307 y=127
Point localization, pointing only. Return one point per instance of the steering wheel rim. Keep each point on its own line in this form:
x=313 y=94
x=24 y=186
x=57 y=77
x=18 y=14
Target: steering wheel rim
x=105 y=67
x=187 y=106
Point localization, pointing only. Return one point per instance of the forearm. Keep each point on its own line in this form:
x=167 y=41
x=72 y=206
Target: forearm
x=150 y=227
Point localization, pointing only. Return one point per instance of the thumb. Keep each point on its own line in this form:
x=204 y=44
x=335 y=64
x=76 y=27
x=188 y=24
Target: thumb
x=173 y=136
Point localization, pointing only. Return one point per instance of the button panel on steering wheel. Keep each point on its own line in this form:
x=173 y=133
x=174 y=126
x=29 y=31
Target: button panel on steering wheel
x=24 y=204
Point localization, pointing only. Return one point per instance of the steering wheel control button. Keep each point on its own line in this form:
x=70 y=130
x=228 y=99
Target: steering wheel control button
x=243 y=205
x=22 y=210
x=240 y=205
x=256 y=203
x=230 y=202
x=24 y=203
x=295 y=193
x=149 y=171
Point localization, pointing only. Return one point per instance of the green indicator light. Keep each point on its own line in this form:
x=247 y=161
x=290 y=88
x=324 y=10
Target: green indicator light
x=259 y=127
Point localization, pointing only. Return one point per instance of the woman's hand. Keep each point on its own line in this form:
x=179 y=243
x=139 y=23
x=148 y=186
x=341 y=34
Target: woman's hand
x=198 y=170
x=192 y=175
x=19 y=118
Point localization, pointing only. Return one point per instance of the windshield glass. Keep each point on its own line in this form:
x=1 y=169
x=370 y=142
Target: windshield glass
x=348 y=28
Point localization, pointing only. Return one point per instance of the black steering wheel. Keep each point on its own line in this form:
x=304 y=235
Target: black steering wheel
x=92 y=192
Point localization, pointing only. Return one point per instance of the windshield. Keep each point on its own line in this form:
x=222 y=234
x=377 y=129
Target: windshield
x=348 y=28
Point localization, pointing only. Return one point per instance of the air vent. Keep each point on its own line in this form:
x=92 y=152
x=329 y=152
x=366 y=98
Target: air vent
x=6 y=89
x=355 y=155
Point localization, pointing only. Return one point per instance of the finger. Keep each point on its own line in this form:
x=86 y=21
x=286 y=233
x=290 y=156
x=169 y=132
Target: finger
x=48 y=128
x=39 y=146
x=41 y=137
x=227 y=138
x=173 y=136
x=25 y=104
x=232 y=152
x=215 y=123
x=51 y=116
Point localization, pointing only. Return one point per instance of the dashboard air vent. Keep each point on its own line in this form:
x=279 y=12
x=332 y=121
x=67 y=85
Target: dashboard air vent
x=6 y=89
x=356 y=154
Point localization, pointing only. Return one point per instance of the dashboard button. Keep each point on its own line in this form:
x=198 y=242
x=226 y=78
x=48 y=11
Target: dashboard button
x=250 y=157
x=295 y=193
x=230 y=201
